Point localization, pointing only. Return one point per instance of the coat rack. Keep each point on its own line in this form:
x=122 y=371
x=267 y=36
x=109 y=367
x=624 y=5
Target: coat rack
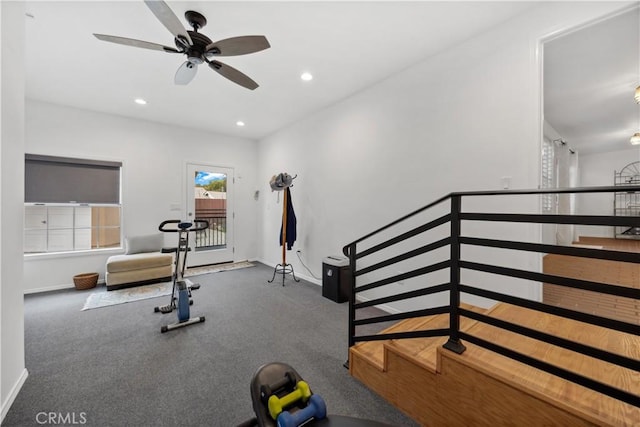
x=282 y=182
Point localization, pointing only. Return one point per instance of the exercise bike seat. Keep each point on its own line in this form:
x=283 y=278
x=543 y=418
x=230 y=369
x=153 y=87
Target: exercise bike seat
x=172 y=250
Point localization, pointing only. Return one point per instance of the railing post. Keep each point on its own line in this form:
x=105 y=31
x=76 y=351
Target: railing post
x=454 y=343
x=352 y=298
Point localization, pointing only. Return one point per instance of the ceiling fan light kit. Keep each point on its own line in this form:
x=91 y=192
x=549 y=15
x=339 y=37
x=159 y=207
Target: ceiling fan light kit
x=196 y=46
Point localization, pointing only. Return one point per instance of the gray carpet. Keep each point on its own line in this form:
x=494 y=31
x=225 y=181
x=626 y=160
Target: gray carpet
x=113 y=367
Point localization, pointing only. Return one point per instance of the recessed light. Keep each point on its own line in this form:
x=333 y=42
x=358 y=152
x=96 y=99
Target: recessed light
x=306 y=76
x=140 y=101
x=240 y=123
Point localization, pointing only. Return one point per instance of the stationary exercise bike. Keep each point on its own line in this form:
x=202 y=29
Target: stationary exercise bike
x=181 y=292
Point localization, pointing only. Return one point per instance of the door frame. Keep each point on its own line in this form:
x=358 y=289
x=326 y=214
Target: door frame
x=214 y=256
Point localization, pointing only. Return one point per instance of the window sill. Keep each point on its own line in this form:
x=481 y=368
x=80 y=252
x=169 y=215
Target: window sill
x=73 y=254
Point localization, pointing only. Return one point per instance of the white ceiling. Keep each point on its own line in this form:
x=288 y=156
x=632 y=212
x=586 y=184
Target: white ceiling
x=590 y=76
x=348 y=46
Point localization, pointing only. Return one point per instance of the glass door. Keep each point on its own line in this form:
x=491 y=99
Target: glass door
x=210 y=197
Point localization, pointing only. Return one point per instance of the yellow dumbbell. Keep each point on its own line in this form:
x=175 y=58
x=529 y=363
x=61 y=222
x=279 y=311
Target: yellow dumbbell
x=276 y=404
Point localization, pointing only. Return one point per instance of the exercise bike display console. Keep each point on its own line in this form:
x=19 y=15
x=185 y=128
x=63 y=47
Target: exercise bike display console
x=181 y=292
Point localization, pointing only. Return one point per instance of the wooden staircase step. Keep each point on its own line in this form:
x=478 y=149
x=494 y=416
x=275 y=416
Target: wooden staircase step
x=494 y=387
x=595 y=336
x=421 y=350
x=554 y=388
x=479 y=385
x=595 y=407
x=370 y=351
x=406 y=325
x=414 y=346
x=373 y=351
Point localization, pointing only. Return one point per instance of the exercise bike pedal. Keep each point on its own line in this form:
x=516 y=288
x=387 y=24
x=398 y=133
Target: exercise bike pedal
x=164 y=309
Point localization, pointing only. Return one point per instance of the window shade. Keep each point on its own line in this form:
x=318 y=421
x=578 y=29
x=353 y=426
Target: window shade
x=50 y=179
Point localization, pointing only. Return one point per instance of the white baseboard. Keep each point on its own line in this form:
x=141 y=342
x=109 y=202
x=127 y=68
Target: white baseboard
x=48 y=288
x=298 y=275
x=13 y=394
x=383 y=307
x=55 y=288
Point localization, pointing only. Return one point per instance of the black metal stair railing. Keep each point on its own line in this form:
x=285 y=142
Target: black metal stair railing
x=359 y=250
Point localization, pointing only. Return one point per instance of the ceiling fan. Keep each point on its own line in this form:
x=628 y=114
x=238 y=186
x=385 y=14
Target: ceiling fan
x=198 y=47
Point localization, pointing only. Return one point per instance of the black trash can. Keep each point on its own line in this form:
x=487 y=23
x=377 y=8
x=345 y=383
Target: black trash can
x=335 y=278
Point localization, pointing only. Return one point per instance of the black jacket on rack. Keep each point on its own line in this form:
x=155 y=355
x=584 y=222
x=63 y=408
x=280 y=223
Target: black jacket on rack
x=291 y=222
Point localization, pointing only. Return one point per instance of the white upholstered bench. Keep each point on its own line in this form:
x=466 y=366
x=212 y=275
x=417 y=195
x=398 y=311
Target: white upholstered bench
x=142 y=263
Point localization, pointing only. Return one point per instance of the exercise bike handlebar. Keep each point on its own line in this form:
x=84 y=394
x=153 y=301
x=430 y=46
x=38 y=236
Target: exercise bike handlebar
x=196 y=225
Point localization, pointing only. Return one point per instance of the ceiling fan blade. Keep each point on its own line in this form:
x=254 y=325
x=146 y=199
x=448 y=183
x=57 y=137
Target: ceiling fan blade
x=237 y=46
x=233 y=75
x=135 y=43
x=169 y=19
x=186 y=72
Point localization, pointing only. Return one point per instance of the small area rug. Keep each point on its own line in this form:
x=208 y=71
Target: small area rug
x=196 y=271
x=107 y=298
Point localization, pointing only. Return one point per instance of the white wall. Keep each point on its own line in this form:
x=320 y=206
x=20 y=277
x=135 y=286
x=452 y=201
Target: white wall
x=460 y=120
x=12 y=361
x=154 y=158
x=598 y=169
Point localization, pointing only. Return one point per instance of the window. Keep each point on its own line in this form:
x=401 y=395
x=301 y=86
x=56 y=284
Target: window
x=71 y=204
